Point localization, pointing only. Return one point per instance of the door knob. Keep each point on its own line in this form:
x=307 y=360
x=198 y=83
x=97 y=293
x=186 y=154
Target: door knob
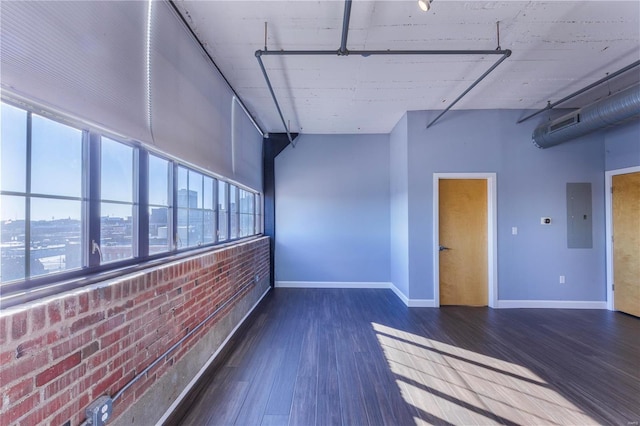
x=443 y=248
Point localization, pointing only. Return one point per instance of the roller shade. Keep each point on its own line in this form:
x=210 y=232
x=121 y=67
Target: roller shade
x=133 y=68
x=83 y=58
x=247 y=149
x=191 y=104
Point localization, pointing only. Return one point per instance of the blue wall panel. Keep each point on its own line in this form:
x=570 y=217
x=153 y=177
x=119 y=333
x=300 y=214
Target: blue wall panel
x=360 y=207
x=622 y=146
x=332 y=209
x=531 y=184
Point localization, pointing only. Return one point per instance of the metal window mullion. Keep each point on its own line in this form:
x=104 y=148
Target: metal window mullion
x=47 y=196
x=169 y=206
x=188 y=208
x=174 y=207
x=237 y=212
x=255 y=214
x=86 y=196
x=238 y=216
x=27 y=203
x=229 y=213
x=122 y=203
x=94 y=199
x=216 y=221
x=203 y=209
x=227 y=189
x=143 y=203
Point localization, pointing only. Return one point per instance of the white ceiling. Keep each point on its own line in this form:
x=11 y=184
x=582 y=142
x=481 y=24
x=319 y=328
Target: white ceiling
x=558 y=47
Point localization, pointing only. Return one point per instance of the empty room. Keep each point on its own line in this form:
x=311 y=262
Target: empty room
x=297 y=212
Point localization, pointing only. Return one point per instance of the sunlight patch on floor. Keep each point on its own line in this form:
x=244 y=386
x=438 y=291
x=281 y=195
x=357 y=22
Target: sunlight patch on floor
x=446 y=383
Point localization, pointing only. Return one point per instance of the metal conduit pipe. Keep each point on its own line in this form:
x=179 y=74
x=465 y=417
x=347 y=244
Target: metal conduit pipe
x=345 y=28
x=273 y=95
x=206 y=52
x=613 y=110
x=179 y=343
x=343 y=51
x=475 y=83
x=365 y=53
x=581 y=91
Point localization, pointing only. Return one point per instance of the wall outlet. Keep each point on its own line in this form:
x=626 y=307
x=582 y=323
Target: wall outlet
x=99 y=411
x=545 y=221
x=561 y=279
x=514 y=230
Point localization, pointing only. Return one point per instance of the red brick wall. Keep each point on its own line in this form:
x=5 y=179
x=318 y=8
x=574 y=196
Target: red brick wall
x=59 y=354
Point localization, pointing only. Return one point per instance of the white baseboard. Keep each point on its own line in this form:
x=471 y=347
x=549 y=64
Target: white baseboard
x=411 y=303
x=204 y=368
x=431 y=303
x=551 y=304
x=400 y=294
x=331 y=284
x=422 y=303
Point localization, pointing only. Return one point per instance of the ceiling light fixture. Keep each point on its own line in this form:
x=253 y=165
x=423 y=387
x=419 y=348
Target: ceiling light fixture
x=425 y=5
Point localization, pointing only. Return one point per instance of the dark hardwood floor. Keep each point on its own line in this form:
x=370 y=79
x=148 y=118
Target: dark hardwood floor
x=360 y=357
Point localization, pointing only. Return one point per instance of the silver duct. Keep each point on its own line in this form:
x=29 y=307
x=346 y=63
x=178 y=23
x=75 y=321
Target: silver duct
x=613 y=110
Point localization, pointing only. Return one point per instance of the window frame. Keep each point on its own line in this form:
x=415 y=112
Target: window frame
x=137 y=177
x=28 y=196
x=92 y=269
x=203 y=210
x=145 y=182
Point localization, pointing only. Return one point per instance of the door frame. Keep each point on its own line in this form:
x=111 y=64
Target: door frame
x=608 y=183
x=492 y=233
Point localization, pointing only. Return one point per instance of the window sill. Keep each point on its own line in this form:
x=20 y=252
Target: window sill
x=62 y=285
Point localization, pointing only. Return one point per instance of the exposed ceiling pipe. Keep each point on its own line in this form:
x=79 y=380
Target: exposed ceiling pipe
x=475 y=83
x=206 y=52
x=581 y=91
x=366 y=53
x=273 y=95
x=343 y=51
x=611 y=111
x=345 y=28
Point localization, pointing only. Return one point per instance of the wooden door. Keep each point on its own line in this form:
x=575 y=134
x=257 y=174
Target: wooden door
x=463 y=222
x=626 y=242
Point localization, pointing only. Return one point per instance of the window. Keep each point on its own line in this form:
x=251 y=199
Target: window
x=208 y=213
x=196 y=214
x=258 y=218
x=117 y=207
x=74 y=201
x=160 y=223
x=42 y=196
x=247 y=213
x=223 y=211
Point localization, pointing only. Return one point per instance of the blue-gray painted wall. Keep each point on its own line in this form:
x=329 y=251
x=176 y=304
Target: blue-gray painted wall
x=332 y=209
x=531 y=183
x=399 y=205
x=335 y=192
x=622 y=146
